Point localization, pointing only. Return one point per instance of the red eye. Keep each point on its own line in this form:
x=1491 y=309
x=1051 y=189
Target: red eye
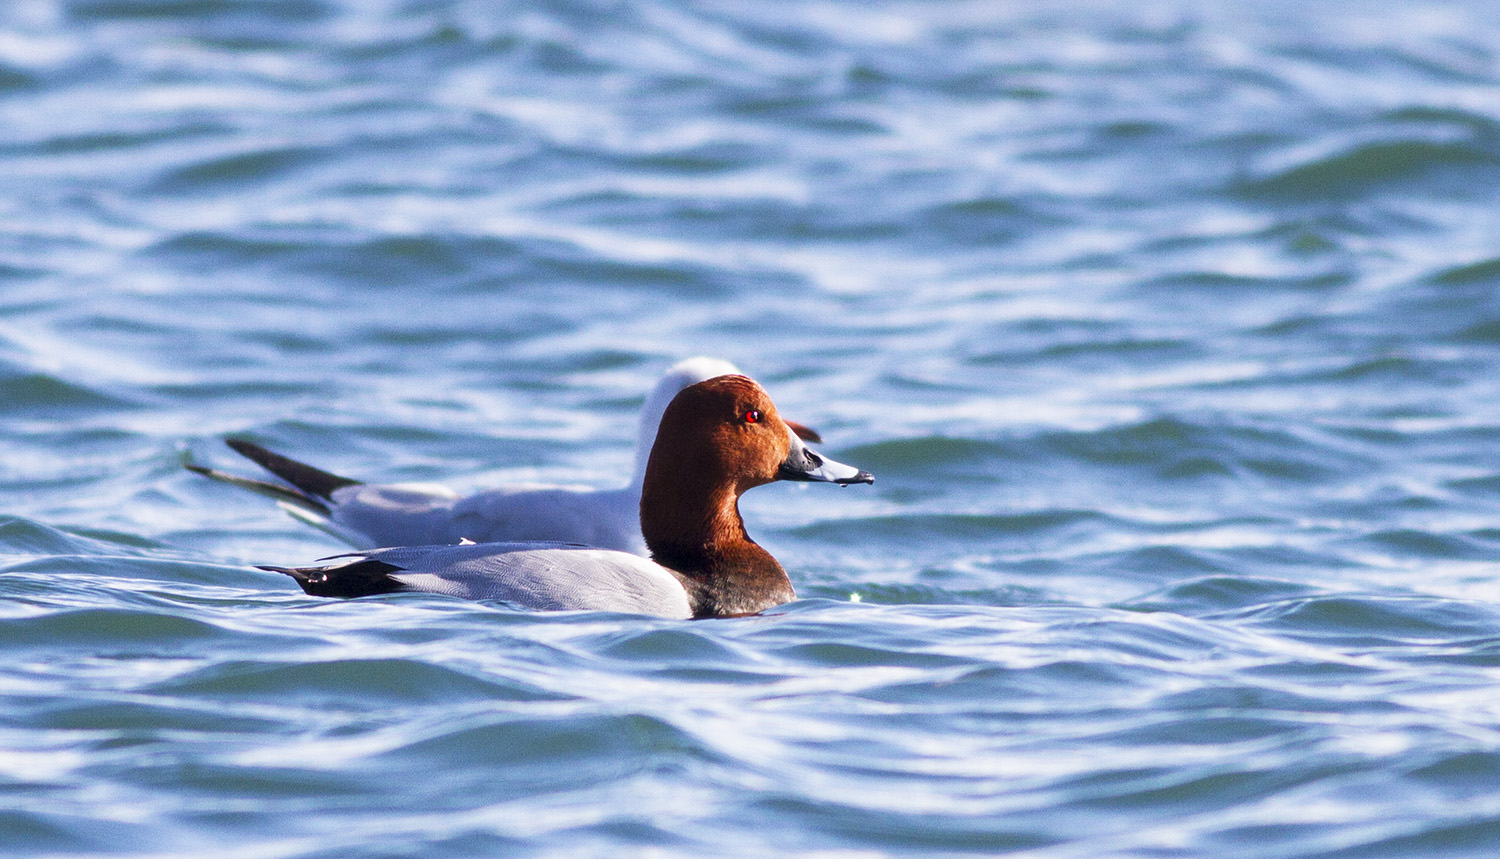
x=752 y=416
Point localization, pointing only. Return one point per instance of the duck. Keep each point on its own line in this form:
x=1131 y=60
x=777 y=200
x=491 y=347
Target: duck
x=371 y=515
x=716 y=439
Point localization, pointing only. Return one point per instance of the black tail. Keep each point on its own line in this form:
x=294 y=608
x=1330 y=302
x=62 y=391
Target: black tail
x=359 y=579
x=312 y=481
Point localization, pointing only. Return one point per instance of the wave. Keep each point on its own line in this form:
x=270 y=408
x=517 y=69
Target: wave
x=1368 y=167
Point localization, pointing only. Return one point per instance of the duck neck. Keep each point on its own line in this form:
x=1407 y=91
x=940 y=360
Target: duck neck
x=724 y=572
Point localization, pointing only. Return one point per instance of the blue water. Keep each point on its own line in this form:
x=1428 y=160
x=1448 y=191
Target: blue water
x=1171 y=331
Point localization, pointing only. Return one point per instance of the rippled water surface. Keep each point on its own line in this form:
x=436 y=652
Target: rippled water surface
x=1171 y=331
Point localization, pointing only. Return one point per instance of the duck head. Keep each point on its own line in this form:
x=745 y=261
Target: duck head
x=727 y=430
x=679 y=376
x=719 y=438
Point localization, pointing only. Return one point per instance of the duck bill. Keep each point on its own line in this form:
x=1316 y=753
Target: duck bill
x=805 y=464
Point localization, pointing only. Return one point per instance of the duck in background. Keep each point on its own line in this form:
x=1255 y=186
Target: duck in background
x=369 y=515
x=717 y=438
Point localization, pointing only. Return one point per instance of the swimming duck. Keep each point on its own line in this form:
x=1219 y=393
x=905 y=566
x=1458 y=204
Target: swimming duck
x=716 y=439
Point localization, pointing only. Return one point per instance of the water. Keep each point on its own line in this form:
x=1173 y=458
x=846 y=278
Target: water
x=1171 y=333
